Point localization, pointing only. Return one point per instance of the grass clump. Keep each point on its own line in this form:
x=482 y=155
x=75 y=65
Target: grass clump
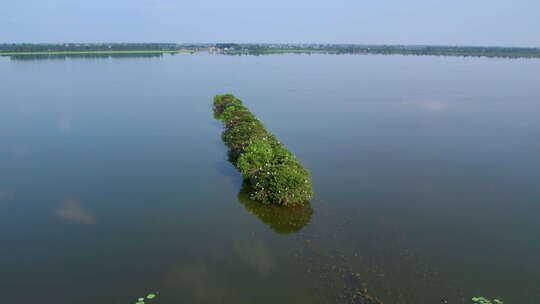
x=274 y=173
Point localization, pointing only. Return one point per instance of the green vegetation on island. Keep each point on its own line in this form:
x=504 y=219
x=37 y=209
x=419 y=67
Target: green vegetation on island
x=273 y=172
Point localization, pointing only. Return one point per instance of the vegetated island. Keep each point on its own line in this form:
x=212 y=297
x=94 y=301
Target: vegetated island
x=274 y=174
x=22 y=49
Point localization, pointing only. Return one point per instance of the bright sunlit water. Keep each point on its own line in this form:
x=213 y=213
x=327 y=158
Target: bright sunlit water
x=115 y=182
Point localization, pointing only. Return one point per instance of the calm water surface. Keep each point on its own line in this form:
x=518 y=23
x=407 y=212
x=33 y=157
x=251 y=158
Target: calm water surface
x=115 y=182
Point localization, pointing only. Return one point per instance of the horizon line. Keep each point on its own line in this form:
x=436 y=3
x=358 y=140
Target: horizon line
x=285 y=43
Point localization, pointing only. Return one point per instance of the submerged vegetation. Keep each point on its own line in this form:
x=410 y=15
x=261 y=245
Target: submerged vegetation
x=273 y=172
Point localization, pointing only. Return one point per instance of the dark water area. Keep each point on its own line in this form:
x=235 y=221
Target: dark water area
x=115 y=182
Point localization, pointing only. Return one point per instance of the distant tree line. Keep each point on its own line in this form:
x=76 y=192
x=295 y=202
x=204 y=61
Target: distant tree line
x=227 y=46
x=473 y=51
x=82 y=47
x=81 y=56
x=267 y=48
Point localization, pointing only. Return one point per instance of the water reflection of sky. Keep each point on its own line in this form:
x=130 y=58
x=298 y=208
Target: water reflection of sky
x=411 y=157
x=6 y=195
x=73 y=210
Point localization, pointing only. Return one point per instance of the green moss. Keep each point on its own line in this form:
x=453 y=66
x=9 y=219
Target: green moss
x=276 y=176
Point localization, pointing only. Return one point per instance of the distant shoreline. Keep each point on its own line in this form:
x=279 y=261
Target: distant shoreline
x=266 y=49
x=92 y=52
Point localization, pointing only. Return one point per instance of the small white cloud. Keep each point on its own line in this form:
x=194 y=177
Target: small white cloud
x=256 y=255
x=72 y=210
x=6 y=195
x=194 y=280
x=429 y=105
x=435 y=105
x=65 y=125
x=19 y=151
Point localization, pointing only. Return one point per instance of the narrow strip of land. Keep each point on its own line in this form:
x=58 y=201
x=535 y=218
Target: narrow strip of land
x=266 y=48
x=91 y=52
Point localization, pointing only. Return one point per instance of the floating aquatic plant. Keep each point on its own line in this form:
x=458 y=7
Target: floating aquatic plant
x=141 y=300
x=482 y=300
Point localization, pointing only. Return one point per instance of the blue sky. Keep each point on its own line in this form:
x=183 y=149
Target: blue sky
x=449 y=22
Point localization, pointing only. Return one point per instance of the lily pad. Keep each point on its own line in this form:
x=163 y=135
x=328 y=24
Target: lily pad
x=150 y=296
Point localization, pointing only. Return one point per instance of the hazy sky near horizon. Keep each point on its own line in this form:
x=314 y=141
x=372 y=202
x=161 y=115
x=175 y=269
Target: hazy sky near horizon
x=457 y=22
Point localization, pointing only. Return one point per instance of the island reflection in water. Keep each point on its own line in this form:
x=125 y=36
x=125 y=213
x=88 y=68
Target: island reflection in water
x=283 y=220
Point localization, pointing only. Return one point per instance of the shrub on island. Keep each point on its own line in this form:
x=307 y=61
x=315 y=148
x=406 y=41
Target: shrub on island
x=273 y=172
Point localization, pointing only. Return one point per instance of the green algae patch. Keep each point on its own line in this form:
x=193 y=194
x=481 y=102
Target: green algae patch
x=274 y=174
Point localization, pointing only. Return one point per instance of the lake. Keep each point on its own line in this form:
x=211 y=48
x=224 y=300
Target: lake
x=115 y=182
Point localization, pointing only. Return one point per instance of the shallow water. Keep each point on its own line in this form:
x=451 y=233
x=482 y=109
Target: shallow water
x=115 y=181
